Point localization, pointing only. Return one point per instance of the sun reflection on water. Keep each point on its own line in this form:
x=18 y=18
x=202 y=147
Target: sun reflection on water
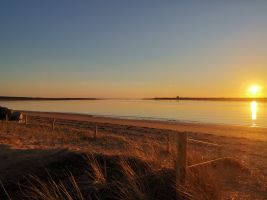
x=253 y=106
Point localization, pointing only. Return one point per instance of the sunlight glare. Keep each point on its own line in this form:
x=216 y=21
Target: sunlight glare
x=253 y=110
x=254 y=90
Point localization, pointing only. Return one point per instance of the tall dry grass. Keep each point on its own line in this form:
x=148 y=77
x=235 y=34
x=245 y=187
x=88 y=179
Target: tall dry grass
x=117 y=165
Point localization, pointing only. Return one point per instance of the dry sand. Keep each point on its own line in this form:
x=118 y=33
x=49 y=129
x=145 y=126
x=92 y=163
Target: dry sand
x=248 y=145
x=251 y=133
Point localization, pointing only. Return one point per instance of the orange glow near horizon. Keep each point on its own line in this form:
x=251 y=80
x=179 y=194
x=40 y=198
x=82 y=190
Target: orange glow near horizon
x=232 y=89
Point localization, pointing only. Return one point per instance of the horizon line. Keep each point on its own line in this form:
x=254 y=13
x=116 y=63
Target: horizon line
x=119 y=98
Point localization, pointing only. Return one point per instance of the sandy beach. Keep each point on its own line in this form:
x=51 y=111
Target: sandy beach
x=251 y=133
x=24 y=150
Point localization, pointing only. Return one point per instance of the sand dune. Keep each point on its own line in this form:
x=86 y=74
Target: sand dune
x=36 y=148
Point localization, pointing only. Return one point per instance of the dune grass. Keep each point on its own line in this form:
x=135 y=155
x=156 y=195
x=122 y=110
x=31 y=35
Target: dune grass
x=120 y=163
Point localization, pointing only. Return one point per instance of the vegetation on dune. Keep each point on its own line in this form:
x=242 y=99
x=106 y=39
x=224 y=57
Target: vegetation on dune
x=120 y=163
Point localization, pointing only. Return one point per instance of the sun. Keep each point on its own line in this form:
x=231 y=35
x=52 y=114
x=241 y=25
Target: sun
x=254 y=91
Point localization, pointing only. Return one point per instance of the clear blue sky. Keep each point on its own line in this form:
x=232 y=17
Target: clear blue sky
x=138 y=48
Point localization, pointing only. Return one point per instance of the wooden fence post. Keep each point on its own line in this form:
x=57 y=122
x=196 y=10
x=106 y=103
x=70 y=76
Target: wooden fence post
x=95 y=133
x=181 y=160
x=53 y=123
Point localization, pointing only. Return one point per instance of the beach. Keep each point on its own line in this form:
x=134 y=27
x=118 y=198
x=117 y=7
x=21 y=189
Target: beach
x=252 y=133
x=27 y=148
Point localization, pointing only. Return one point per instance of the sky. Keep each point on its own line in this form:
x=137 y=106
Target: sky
x=132 y=49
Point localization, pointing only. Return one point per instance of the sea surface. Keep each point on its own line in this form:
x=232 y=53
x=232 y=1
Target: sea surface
x=253 y=114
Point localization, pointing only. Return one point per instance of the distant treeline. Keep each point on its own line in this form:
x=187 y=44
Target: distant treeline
x=7 y=98
x=208 y=99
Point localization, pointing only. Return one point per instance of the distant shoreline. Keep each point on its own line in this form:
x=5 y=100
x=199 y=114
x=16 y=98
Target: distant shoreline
x=208 y=99
x=7 y=98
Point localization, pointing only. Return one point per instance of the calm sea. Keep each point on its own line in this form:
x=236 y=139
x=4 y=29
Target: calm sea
x=234 y=113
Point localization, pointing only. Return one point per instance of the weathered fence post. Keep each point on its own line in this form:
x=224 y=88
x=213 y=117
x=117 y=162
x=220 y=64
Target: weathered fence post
x=181 y=160
x=95 y=133
x=6 y=117
x=53 y=123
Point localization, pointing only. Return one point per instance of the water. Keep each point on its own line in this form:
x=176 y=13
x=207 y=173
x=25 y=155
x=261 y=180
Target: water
x=234 y=113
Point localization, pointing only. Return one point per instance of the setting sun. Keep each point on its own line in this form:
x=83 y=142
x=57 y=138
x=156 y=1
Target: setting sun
x=254 y=91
